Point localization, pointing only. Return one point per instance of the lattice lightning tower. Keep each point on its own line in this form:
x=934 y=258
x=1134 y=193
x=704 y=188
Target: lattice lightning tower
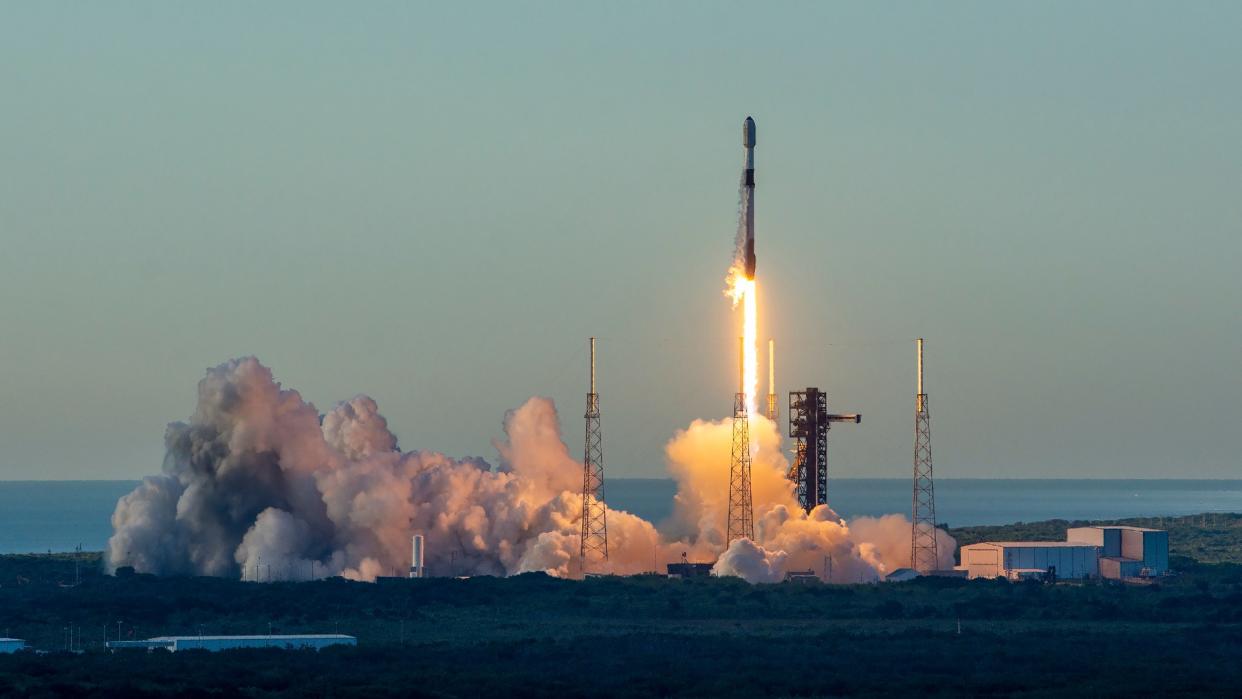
x=924 y=556
x=741 y=515
x=594 y=547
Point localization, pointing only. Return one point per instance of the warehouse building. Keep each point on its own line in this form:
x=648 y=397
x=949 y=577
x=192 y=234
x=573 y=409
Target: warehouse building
x=214 y=643
x=1126 y=552
x=1023 y=560
x=11 y=645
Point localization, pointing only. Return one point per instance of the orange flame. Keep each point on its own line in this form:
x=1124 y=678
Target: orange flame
x=742 y=291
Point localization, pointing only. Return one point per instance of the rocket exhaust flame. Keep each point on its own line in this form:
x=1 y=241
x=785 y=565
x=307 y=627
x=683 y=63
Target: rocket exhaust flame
x=742 y=291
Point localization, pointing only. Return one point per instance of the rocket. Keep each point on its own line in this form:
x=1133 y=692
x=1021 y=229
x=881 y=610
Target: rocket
x=748 y=195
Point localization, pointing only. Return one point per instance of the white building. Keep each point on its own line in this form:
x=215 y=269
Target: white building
x=1126 y=552
x=11 y=645
x=214 y=643
x=1017 y=560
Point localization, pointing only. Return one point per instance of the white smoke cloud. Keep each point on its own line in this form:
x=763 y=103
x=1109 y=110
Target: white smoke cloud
x=751 y=562
x=890 y=538
x=787 y=538
x=257 y=481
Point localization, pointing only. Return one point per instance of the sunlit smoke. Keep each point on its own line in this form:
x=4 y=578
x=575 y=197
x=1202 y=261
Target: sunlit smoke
x=258 y=484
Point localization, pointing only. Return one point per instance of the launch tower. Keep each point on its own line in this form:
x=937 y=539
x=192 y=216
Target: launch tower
x=809 y=421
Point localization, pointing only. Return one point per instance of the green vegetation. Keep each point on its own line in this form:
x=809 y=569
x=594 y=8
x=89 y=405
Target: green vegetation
x=647 y=635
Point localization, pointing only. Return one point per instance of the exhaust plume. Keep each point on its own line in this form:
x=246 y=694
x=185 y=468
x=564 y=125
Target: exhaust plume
x=256 y=483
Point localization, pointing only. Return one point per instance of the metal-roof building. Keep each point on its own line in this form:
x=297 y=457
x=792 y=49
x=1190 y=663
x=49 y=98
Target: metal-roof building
x=1018 y=560
x=901 y=575
x=11 y=645
x=1126 y=552
x=214 y=643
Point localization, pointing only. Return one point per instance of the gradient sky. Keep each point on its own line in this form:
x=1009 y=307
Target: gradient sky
x=436 y=204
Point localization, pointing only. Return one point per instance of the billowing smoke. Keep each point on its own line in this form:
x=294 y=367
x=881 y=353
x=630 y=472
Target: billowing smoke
x=787 y=538
x=258 y=484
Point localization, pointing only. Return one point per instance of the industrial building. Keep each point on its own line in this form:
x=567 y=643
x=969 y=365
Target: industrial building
x=1021 y=560
x=1126 y=552
x=1107 y=551
x=215 y=643
x=11 y=645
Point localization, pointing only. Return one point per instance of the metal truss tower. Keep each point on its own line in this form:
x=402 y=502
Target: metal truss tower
x=594 y=548
x=809 y=421
x=741 y=514
x=772 y=414
x=924 y=556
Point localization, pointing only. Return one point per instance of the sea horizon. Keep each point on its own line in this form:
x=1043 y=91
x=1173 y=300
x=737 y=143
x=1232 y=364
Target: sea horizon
x=38 y=516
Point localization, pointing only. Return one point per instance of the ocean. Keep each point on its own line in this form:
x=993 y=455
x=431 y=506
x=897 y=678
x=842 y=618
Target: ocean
x=40 y=516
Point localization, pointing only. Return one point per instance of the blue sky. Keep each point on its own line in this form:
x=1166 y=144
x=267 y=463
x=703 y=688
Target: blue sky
x=435 y=205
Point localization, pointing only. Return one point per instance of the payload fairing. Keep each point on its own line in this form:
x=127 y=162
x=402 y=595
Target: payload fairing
x=748 y=195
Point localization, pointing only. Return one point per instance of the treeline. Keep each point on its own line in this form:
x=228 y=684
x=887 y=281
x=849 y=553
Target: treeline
x=440 y=608
x=833 y=661
x=532 y=635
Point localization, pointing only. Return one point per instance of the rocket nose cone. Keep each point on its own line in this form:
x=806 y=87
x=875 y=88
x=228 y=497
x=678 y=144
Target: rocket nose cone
x=748 y=132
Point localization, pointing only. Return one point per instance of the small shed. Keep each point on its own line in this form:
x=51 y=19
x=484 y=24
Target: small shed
x=901 y=575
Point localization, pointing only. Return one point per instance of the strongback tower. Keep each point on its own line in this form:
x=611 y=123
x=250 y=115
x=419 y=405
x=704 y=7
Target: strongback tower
x=741 y=515
x=594 y=548
x=923 y=554
x=809 y=421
